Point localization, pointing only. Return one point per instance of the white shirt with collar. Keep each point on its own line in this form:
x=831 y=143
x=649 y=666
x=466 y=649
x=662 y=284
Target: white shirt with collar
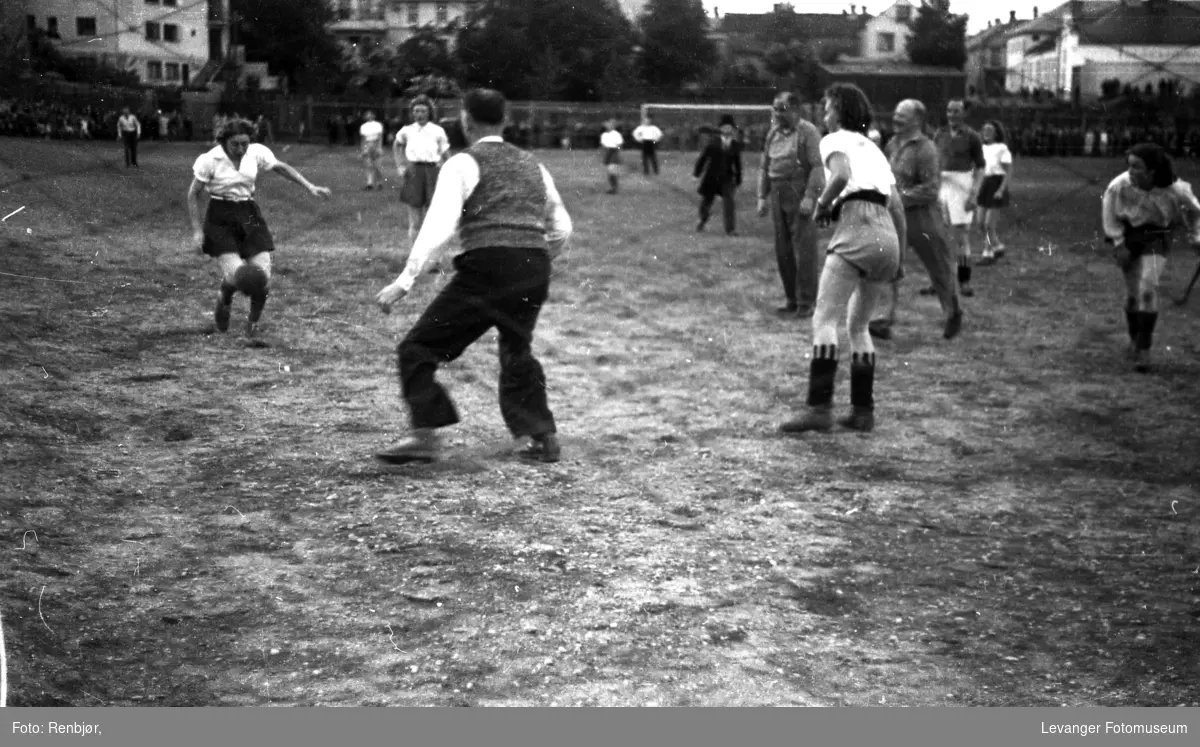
x=647 y=133
x=422 y=143
x=371 y=132
x=869 y=168
x=129 y=123
x=457 y=180
x=611 y=139
x=225 y=181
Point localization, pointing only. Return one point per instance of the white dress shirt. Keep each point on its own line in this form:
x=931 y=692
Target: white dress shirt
x=457 y=180
x=224 y=181
x=422 y=143
x=647 y=133
x=611 y=139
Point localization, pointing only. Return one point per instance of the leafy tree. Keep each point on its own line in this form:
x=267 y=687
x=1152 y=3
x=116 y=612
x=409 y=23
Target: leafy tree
x=425 y=54
x=939 y=37
x=675 y=43
x=547 y=49
x=293 y=38
x=796 y=64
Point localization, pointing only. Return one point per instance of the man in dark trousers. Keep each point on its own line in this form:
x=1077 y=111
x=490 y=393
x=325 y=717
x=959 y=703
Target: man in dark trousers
x=720 y=172
x=511 y=222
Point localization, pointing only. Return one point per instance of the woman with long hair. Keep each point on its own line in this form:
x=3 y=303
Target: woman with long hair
x=994 y=190
x=862 y=259
x=1141 y=209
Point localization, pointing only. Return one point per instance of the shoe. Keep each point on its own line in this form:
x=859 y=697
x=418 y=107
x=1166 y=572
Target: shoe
x=787 y=312
x=859 y=420
x=880 y=329
x=221 y=315
x=421 y=447
x=700 y=227
x=543 y=448
x=814 y=419
x=953 y=325
x=986 y=260
x=368 y=188
x=998 y=252
x=251 y=328
x=928 y=291
x=731 y=233
x=1141 y=360
x=804 y=312
x=967 y=291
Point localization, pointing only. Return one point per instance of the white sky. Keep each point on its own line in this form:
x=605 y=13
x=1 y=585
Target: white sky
x=980 y=11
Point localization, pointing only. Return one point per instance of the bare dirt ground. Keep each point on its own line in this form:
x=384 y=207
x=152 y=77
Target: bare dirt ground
x=187 y=520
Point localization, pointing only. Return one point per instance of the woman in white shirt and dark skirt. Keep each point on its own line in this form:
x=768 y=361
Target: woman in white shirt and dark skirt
x=233 y=231
x=863 y=257
x=1140 y=210
x=611 y=142
x=993 y=192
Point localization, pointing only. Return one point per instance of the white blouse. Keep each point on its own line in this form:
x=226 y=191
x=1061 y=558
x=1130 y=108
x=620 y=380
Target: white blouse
x=225 y=181
x=1163 y=207
x=869 y=168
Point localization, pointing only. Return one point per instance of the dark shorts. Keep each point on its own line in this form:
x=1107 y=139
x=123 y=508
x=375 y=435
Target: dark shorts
x=236 y=228
x=612 y=156
x=1147 y=240
x=420 y=179
x=987 y=193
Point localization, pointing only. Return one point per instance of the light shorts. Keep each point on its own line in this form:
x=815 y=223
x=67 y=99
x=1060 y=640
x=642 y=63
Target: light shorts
x=865 y=237
x=956 y=188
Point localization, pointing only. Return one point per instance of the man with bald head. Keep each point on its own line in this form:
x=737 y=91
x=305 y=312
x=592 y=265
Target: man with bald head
x=914 y=160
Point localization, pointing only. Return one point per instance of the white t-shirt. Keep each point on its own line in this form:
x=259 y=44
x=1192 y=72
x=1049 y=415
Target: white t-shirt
x=647 y=133
x=869 y=168
x=225 y=181
x=422 y=144
x=371 y=131
x=611 y=139
x=995 y=157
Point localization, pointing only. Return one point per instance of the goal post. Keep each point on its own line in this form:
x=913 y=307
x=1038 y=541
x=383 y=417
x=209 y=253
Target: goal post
x=682 y=124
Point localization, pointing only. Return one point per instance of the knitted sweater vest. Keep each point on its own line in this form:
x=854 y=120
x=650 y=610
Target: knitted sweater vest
x=508 y=207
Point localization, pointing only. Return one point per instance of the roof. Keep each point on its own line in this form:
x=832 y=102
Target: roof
x=992 y=34
x=888 y=67
x=816 y=25
x=1162 y=23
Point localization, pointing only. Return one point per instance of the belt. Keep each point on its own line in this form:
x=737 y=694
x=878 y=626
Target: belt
x=424 y=163
x=229 y=199
x=861 y=195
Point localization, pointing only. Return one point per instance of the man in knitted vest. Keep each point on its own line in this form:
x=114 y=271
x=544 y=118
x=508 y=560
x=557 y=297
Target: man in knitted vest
x=511 y=222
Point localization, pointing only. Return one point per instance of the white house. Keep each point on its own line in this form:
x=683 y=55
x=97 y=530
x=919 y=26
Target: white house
x=885 y=36
x=1071 y=50
x=165 y=42
x=363 y=23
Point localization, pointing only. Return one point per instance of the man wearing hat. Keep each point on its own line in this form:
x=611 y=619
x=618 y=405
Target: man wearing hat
x=720 y=172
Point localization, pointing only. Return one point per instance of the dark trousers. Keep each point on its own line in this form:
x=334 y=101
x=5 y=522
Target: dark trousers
x=795 y=246
x=130 y=140
x=499 y=287
x=727 y=203
x=649 y=157
x=926 y=236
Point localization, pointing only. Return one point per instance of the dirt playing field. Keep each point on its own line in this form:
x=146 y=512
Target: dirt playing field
x=190 y=520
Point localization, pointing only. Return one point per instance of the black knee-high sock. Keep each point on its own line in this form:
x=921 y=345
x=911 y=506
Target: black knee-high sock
x=1145 y=330
x=257 y=302
x=822 y=375
x=964 y=271
x=862 y=381
x=1131 y=318
x=227 y=291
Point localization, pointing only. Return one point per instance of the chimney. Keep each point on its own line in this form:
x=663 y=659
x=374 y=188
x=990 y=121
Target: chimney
x=853 y=10
x=1012 y=16
x=989 y=24
x=1035 y=11
x=997 y=21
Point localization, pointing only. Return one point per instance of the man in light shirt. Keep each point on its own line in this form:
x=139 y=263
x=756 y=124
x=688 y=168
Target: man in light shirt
x=129 y=131
x=647 y=135
x=370 y=134
x=419 y=149
x=234 y=232
x=511 y=221
x=611 y=141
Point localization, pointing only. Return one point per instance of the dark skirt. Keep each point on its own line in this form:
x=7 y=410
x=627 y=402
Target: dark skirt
x=235 y=228
x=420 y=179
x=612 y=156
x=987 y=192
x=1147 y=240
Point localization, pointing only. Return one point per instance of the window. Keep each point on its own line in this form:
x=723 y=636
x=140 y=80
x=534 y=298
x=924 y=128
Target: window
x=887 y=43
x=154 y=70
x=52 y=27
x=172 y=70
x=443 y=13
x=414 y=14
x=85 y=26
x=170 y=32
x=153 y=31
x=997 y=58
x=903 y=13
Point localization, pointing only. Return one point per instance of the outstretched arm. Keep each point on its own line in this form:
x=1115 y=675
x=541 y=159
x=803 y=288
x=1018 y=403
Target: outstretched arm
x=289 y=173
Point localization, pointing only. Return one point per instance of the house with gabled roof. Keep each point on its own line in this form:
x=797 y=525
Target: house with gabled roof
x=1073 y=49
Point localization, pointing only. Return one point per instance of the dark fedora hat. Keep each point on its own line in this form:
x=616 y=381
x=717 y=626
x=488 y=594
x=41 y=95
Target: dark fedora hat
x=727 y=119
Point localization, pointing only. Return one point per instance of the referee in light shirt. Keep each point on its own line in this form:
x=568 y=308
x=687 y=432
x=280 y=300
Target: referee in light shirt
x=647 y=135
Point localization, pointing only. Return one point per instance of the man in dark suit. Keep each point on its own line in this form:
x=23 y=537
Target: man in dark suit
x=720 y=172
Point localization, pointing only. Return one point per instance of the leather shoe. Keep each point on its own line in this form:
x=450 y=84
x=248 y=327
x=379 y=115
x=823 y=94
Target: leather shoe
x=819 y=418
x=422 y=446
x=880 y=329
x=953 y=325
x=542 y=448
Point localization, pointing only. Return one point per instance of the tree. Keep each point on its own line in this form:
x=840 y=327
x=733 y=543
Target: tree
x=425 y=53
x=293 y=38
x=797 y=66
x=547 y=49
x=675 y=43
x=939 y=37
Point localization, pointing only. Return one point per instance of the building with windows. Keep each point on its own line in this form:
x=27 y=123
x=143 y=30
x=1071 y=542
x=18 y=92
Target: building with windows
x=885 y=36
x=1072 y=50
x=165 y=42
x=987 y=58
x=364 y=24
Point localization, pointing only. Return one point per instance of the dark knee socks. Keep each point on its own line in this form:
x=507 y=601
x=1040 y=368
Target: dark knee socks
x=227 y=291
x=1145 y=321
x=822 y=375
x=862 y=382
x=964 y=271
